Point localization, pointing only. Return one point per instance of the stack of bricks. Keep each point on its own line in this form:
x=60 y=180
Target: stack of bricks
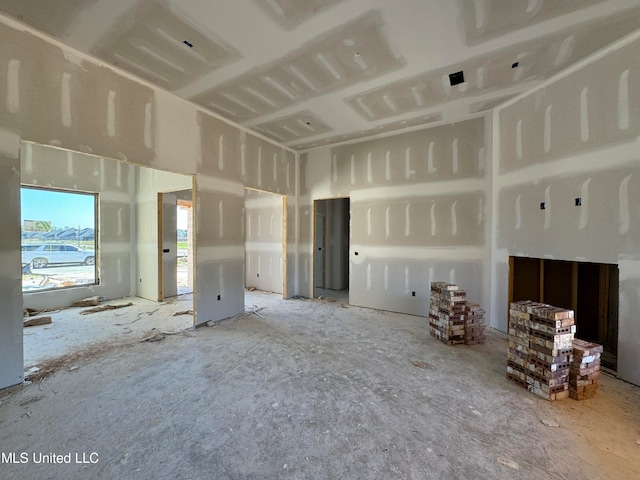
x=550 y=348
x=551 y=352
x=473 y=324
x=585 y=369
x=446 y=313
x=519 y=338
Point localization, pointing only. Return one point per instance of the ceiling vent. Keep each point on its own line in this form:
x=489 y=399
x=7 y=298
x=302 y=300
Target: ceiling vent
x=456 y=78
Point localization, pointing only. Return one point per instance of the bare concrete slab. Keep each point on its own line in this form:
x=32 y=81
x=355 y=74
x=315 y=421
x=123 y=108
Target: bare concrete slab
x=71 y=331
x=312 y=389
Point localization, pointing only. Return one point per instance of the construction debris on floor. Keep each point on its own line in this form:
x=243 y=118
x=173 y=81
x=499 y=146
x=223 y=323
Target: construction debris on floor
x=87 y=302
x=105 y=308
x=584 y=373
x=31 y=318
x=452 y=319
x=544 y=356
x=35 y=321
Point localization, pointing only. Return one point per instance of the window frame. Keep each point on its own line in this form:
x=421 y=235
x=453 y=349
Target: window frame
x=95 y=196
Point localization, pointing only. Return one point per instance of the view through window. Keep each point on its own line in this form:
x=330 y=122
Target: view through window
x=58 y=238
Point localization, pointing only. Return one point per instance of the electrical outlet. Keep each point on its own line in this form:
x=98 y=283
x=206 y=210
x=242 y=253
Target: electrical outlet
x=257 y=274
x=456 y=78
x=413 y=294
x=218 y=297
x=542 y=206
x=578 y=201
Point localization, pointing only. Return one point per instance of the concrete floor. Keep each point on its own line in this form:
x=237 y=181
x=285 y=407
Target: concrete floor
x=71 y=332
x=311 y=389
x=340 y=296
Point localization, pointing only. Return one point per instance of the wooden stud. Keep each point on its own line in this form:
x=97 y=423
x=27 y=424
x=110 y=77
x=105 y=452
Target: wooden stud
x=284 y=246
x=194 y=191
x=512 y=273
x=574 y=288
x=541 y=298
x=603 y=303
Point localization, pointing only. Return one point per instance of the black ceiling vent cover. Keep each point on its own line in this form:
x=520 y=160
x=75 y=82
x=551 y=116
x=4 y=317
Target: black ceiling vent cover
x=456 y=78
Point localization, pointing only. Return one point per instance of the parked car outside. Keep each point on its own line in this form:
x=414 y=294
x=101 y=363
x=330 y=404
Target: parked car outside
x=43 y=254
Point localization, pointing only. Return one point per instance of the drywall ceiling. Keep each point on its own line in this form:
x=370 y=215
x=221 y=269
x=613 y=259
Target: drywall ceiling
x=315 y=72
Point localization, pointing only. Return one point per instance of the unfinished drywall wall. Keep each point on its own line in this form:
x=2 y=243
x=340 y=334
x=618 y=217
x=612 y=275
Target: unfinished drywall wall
x=567 y=182
x=219 y=255
x=148 y=183
x=11 y=358
x=54 y=95
x=448 y=152
x=128 y=215
x=264 y=217
x=577 y=114
x=113 y=181
x=419 y=205
x=228 y=161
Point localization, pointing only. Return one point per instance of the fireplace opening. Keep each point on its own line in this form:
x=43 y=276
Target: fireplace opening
x=590 y=289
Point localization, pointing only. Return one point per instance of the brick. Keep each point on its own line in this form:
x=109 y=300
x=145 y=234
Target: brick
x=562 y=359
x=517 y=380
x=585 y=348
x=552 y=367
x=583 y=393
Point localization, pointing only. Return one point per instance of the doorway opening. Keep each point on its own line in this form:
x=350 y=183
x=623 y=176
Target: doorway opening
x=116 y=235
x=331 y=248
x=185 y=246
x=589 y=289
x=175 y=239
x=265 y=222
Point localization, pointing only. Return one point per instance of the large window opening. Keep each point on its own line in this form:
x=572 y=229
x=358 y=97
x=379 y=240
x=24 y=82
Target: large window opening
x=59 y=247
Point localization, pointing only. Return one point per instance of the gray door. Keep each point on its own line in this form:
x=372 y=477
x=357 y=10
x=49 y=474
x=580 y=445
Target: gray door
x=319 y=251
x=169 y=245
